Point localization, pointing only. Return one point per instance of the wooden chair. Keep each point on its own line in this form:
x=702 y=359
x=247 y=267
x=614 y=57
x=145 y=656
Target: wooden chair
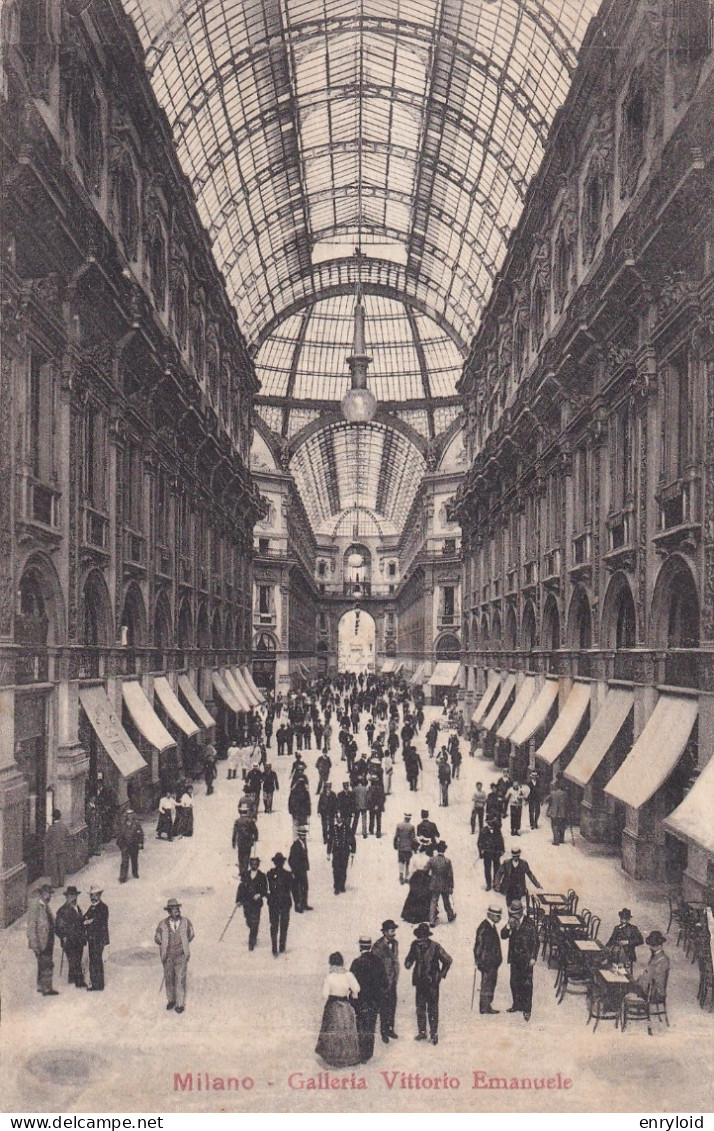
x=594 y=927
x=674 y=900
x=602 y=1008
x=636 y=1008
x=572 y=901
x=573 y=977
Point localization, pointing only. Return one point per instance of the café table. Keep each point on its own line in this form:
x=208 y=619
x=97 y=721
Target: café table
x=552 y=898
x=607 y=993
x=569 y=922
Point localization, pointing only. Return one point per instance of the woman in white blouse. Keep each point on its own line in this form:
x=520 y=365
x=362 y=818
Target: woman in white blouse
x=338 y=1044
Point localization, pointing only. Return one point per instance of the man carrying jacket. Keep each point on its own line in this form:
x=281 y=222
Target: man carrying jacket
x=174 y=936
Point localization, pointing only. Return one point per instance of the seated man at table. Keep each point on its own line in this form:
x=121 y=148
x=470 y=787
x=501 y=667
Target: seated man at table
x=624 y=940
x=652 y=982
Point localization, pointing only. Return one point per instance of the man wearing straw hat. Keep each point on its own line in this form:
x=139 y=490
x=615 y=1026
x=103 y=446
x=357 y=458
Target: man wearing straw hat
x=96 y=926
x=174 y=936
x=488 y=958
x=41 y=938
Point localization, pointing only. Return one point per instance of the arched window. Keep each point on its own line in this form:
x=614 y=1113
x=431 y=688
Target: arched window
x=561 y=270
x=591 y=216
x=180 y=310
x=126 y=207
x=633 y=132
x=85 y=109
x=156 y=254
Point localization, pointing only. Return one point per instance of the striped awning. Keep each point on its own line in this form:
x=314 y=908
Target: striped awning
x=656 y=752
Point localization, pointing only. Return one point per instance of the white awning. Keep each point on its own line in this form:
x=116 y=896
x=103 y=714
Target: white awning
x=387 y=667
x=224 y=692
x=692 y=819
x=106 y=724
x=520 y=705
x=537 y=713
x=566 y=724
x=416 y=676
x=398 y=669
x=236 y=685
x=248 y=677
x=603 y=731
x=656 y=752
x=173 y=708
x=199 y=709
x=144 y=716
x=507 y=689
x=304 y=670
x=446 y=674
x=492 y=685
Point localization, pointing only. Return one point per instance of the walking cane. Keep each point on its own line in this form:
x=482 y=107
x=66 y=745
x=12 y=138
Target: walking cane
x=61 y=961
x=229 y=922
x=163 y=979
x=473 y=988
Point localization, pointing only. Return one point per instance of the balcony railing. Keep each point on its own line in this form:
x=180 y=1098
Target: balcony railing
x=530 y=573
x=134 y=547
x=551 y=563
x=619 y=529
x=164 y=561
x=512 y=580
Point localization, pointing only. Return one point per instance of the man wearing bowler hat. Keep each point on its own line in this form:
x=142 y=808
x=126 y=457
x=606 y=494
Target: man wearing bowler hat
x=252 y=890
x=280 y=892
x=441 y=884
x=522 y=938
x=431 y=965
x=387 y=950
x=69 y=928
x=299 y=864
x=96 y=926
x=488 y=957
x=625 y=939
x=652 y=982
x=512 y=875
x=174 y=936
x=41 y=938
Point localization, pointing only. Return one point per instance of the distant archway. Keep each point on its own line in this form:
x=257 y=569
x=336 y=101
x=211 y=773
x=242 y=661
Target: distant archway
x=510 y=636
x=216 y=630
x=203 y=632
x=528 y=628
x=163 y=630
x=96 y=612
x=133 y=617
x=356 y=642
x=551 y=625
x=580 y=629
x=185 y=625
x=448 y=647
x=675 y=606
x=619 y=617
x=497 y=632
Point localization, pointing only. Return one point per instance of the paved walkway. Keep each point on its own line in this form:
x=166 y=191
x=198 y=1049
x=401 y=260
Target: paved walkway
x=252 y=1017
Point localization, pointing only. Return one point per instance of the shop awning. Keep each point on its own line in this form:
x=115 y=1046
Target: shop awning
x=173 y=708
x=387 y=667
x=537 y=713
x=224 y=693
x=446 y=674
x=603 y=731
x=492 y=685
x=304 y=670
x=106 y=724
x=144 y=716
x=240 y=692
x=398 y=669
x=692 y=819
x=566 y=724
x=199 y=709
x=656 y=752
x=520 y=705
x=248 y=677
x=416 y=676
x=497 y=709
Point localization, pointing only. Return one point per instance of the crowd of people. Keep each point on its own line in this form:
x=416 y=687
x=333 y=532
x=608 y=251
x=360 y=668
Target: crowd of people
x=339 y=743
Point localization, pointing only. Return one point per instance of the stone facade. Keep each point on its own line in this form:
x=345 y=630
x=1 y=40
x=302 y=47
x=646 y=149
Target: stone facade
x=586 y=510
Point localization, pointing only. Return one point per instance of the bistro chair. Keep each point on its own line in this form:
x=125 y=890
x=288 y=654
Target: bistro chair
x=635 y=1008
x=706 y=983
x=603 y=1007
x=675 y=910
x=572 y=901
x=594 y=927
x=573 y=974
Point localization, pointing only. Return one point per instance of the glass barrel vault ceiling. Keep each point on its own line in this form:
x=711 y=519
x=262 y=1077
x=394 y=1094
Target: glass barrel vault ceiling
x=451 y=100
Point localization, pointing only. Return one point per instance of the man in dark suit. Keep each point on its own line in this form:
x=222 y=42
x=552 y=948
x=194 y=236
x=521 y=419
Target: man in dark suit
x=426 y=830
x=245 y=834
x=326 y=809
x=252 y=890
x=491 y=849
x=441 y=884
x=522 y=938
x=96 y=926
x=488 y=957
x=341 y=844
x=431 y=965
x=387 y=950
x=511 y=879
x=280 y=891
x=130 y=841
x=69 y=928
x=369 y=971
x=299 y=864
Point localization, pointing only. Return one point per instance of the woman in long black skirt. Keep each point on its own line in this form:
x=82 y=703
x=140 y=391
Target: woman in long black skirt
x=338 y=1044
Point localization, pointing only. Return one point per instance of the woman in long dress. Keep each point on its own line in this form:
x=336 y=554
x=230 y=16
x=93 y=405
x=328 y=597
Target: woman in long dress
x=418 y=902
x=338 y=1044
